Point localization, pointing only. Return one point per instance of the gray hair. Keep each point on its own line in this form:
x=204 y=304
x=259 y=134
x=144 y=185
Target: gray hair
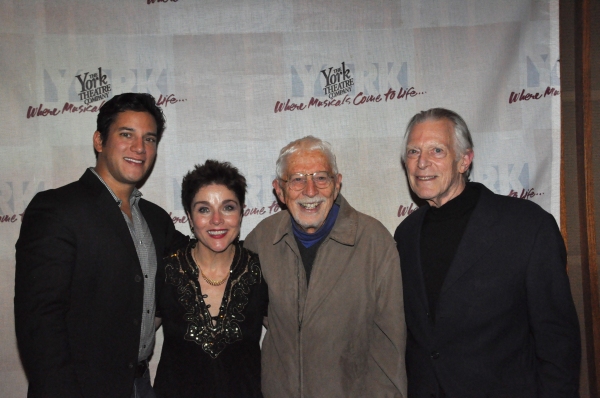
x=462 y=142
x=308 y=143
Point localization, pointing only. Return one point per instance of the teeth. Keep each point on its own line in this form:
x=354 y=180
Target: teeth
x=309 y=206
x=425 y=178
x=217 y=232
x=133 y=160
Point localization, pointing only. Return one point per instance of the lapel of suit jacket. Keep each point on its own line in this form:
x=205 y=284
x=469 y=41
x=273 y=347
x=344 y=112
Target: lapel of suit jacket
x=412 y=255
x=284 y=235
x=324 y=276
x=477 y=238
x=111 y=214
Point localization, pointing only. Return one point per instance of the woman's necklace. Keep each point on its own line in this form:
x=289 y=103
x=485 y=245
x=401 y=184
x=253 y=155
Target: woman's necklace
x=211 y=282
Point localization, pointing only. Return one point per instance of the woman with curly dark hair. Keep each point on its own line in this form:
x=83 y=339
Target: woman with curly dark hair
x=213 y=297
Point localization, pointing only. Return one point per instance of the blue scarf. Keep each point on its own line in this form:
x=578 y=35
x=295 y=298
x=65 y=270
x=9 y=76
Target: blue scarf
x=307 y=239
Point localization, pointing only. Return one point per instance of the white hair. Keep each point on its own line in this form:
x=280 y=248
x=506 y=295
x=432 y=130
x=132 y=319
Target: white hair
x=308 y=143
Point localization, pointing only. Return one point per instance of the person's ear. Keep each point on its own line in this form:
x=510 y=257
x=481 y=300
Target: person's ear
x=465 y=161
x=98 y=144
x=190 y=223
x=279 y=190
x=337 y=180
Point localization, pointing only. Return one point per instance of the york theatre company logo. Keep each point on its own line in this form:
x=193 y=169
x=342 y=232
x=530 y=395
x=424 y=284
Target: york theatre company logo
x=337 y=81
x=348 y=85
x=94 y=86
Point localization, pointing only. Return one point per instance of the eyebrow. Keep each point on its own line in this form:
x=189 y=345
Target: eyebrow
x=206 y=203
x=125 y=128
x=427 y=144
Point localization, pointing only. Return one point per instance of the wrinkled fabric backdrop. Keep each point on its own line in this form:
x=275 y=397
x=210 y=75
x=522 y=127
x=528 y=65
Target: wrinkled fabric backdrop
x=238 y=80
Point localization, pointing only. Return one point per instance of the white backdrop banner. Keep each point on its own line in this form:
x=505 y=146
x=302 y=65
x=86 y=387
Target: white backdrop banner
x=238 y=80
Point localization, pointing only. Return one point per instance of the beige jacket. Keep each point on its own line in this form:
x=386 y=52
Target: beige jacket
x=343 y=336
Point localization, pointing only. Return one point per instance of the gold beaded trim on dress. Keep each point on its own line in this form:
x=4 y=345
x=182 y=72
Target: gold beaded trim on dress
x=182 y=272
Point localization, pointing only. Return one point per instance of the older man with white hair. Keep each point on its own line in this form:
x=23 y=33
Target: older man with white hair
x=487 y=299
x=335 y=319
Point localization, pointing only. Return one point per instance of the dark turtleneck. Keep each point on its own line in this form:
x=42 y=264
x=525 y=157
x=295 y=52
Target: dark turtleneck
x=443 y=228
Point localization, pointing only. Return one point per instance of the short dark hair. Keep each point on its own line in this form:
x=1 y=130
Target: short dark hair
x=138 y=102
x=212 y=172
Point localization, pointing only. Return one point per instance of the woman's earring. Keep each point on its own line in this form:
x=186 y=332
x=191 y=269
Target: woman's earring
x=192 y=229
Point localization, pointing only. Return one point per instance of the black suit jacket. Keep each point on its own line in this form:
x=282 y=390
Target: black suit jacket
x=79 y=291
x=505 y=323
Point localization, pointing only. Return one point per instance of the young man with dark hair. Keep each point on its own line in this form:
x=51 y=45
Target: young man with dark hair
x=86 y=264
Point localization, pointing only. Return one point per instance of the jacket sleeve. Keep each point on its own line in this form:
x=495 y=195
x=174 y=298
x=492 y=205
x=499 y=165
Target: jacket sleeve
x=175 y=240
x=388 y=337
x=250 y=241
x=552 y=315
x=45 y=260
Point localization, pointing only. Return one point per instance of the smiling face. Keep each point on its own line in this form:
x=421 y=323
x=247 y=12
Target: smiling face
x=129 y=150
x=435 y=172
x=310 y=206
x=216 y=217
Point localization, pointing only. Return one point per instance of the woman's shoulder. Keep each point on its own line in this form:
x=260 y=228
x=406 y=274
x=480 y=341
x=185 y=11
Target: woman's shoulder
x=180 y=258
x=181 y=251
x=252 y=256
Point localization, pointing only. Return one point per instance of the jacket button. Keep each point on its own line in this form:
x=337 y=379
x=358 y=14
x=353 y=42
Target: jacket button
x=435 y=355
x=137 y=278
x=135 y=322
x=130 y=365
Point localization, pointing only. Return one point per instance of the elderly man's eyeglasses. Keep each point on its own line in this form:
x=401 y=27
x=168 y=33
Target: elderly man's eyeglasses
x=297 y=181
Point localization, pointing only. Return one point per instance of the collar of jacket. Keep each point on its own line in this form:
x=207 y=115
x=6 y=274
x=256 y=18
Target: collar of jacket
x=343 y=232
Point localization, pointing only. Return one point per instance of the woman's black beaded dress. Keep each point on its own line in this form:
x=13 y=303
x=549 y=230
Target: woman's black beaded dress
x=200 y=359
